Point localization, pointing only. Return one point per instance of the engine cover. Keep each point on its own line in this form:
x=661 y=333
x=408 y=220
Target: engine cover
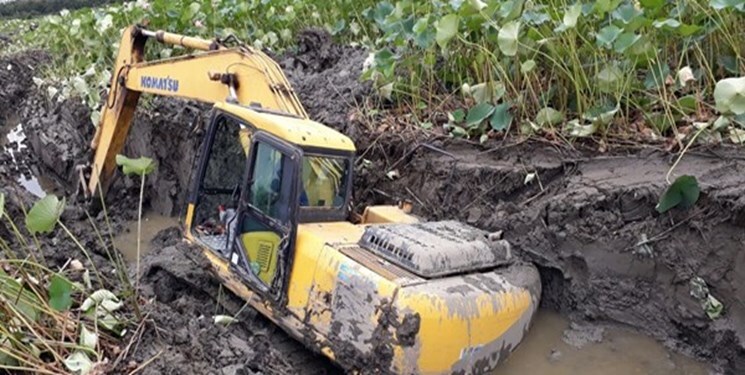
x=436 y=249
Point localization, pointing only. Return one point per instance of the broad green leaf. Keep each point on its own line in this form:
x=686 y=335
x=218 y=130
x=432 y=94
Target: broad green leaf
x=660 y=121
x=507 y=39
x=656 y=76
x=478 y=114
x=26 y=302
x=683 y=193
x=458 y=131
x=549 y=116
x=725 y=4
x=381 y=11
x=729 y=63
x=487 y=92
x=609 y=79
x=95 y=118
x=535 y=18
x=386 y=91
x=627 y=13
x=421 y=25
x=457 y=116
x=477 y=5
x=713 y=307
x=5 y=346
x=652 y=4
x=100 y=305
x=527 y=66
x=607 y=35
x=572 y=15
x=44 y=214
x=108 y=321
x=141 y=166
x=447 y=28
x=286 y=34
x=601 y=115
x=721 y=123
x=79 y=363
x=625 y=41
x=60 y=293
x=577 y=129
x=511 y=9
x=88 y=339
x=97 y=298
x=601 y=7
x=729 y=95
x=425 y=39
x=79 y=84
x=105 y=23
x=501 y=119
x=688 y=30
x=668 y=24
x=687 y=104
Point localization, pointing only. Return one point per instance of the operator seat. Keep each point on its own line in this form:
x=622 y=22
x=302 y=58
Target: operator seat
x=262 y=247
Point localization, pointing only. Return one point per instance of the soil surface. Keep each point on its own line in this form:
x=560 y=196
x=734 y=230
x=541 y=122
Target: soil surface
x=581 y=219
x=589 y=222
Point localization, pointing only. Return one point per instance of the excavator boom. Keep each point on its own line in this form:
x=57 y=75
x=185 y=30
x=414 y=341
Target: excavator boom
x=240 y=75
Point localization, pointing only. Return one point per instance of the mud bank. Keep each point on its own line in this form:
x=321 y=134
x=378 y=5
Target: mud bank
x=589 y=222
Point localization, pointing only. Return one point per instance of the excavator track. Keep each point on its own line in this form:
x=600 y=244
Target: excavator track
x=276 y=351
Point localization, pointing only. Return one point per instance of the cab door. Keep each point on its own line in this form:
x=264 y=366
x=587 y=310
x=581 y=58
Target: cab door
x=215 y=187
x=264 y=239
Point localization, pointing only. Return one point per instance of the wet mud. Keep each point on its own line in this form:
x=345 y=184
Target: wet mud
x=589 y=222
x=583 y=220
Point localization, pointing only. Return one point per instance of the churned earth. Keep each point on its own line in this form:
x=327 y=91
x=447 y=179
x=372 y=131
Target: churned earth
x=587 y=219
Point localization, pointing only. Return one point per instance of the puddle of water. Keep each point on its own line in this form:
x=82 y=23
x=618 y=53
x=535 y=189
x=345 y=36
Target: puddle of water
x=33 y=184
x=620 y=353
x=152 y=223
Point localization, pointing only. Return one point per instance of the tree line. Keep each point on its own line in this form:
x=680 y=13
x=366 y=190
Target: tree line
x=29 y=8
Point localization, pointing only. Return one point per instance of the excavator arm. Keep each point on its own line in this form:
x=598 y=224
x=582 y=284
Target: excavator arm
x=215 y=73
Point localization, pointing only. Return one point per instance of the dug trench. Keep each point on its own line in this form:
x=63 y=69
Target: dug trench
x=588 y=220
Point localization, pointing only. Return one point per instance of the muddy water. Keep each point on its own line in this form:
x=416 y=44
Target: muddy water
x=152 y=223
x=13 y=143
x=620 y=352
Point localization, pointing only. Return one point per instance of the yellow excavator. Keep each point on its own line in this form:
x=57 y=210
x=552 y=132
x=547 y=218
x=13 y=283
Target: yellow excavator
x=270 y=205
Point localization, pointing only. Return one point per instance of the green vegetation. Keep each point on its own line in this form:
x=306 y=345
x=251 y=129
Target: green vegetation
x=142 y=167
x=51 y=324
x=26 y=8
x=683 y=193
x=609 y=68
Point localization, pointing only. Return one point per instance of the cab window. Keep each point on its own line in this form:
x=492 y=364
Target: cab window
x=324 y=182
x=270 y=192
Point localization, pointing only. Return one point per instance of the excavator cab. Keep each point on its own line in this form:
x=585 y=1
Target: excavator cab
x=269 y=186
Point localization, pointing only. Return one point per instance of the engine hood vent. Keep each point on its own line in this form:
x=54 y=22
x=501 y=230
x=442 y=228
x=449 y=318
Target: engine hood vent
x=436 y=249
